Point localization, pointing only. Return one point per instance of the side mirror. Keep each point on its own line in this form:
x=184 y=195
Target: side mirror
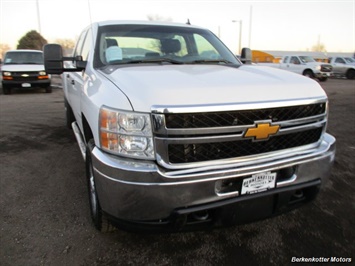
x=246 y=56
x=0 y=61
x=53 y=58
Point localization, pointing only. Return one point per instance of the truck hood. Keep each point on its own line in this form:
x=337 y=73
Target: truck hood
x=202 y=85
x=20 y=67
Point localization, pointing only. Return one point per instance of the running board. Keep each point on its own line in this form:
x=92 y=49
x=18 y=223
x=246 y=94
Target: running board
x=79 y=139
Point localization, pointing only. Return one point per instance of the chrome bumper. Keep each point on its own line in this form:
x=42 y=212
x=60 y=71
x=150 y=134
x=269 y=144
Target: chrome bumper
x=142 y=191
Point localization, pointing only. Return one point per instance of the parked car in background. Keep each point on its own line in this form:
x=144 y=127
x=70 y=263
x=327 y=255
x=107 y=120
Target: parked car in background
x=24 y=69
x=304 y=65
x=343 y=66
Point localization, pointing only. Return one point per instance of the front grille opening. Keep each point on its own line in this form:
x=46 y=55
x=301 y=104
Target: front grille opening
x=190 y=153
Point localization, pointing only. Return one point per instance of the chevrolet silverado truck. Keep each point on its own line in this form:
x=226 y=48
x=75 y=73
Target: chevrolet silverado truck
x=343 y=66
x=24 y=69
x=304 y=65
x=178 y=134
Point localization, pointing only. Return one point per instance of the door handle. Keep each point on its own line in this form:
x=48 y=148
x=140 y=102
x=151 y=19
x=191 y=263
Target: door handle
x=72 y=82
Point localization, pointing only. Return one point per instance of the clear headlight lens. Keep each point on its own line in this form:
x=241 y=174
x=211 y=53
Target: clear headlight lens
x=6 y=73
x=126 y=133
x=318 y=67
x=42 y=73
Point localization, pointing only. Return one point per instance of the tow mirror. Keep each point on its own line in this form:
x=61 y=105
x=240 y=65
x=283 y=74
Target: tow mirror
x=53 y=58
x=246 y=56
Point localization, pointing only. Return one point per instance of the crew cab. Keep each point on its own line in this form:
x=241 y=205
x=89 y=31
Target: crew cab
x=343 y=66
x=24 y=69
x=304 y=65
x=177 y=133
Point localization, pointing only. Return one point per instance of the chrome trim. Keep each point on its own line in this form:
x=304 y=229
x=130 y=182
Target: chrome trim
x=79 y=139
x=234 y=106
x=164 y=136
x=103 y=162
x=251 y=159
x=287 y=182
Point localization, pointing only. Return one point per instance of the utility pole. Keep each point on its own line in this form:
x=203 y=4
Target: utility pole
x=250 y=22
x=240 y=34
x=38 y=18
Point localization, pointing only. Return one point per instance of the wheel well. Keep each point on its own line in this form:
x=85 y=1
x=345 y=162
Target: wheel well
x=350 y=73
x=307 y=70
x=87 y=130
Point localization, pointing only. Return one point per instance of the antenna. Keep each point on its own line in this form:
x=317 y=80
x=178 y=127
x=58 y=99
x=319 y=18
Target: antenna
x=188 y=22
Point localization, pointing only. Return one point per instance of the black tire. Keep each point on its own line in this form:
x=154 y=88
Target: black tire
x=49 y=89
x=350 y=74
x=99 y=219
x=6 y=89
x=69 y=115
x=323 y=79
x=308 y=73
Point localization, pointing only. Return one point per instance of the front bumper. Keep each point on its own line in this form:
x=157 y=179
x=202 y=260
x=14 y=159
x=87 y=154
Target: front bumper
x=26 y=83
x=143 y=193
x=324 y=74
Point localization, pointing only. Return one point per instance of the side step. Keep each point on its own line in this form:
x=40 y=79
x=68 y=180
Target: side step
x=79 y=139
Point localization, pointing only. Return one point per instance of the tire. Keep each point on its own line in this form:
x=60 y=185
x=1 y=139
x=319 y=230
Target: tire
x=308 y=73
x=350 y=74
x=99 y=219
x=49 y=89
x=6 y=89
x=69 y=115
x=323 y=79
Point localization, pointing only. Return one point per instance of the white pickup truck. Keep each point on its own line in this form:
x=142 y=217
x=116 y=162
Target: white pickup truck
x=343 y=66
x=177 y=133
x=304 y=65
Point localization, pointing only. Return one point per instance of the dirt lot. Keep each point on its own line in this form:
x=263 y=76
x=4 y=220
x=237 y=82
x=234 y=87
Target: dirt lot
x=45 y=215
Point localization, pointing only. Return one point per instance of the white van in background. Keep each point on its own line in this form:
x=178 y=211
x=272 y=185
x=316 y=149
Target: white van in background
x=24 y=69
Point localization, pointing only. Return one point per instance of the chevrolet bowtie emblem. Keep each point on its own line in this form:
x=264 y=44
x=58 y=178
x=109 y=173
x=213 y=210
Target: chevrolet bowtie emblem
x=262 y=131
x=25 y=75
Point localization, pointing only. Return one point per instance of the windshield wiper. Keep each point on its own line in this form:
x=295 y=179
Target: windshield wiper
x=153 y=60
x=210 y=61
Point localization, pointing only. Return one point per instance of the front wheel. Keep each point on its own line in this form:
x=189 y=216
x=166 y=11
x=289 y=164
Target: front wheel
x=99 y=219
x=308 y=73
x=350 y=74
x=6 y=89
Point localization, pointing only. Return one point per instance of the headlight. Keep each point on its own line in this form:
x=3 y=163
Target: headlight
x=317 y=67
x=6 y=74
x=126 y=133
x=42 y=73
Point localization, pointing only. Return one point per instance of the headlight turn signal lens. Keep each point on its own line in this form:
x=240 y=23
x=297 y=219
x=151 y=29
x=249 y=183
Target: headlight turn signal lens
x=126 y=133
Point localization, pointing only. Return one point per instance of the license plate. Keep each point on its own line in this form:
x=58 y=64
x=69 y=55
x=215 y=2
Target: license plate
x=258 y=183
x=26 y=85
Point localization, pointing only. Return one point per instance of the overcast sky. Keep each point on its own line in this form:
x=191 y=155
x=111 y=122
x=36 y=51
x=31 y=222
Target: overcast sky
x=275 y=25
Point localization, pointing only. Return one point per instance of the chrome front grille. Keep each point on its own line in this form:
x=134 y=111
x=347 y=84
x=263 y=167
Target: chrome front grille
x=25 y=76
x=189 y=139
x=326 y=68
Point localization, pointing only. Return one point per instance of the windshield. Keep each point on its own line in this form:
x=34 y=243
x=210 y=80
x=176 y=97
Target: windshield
x=306 y=59
x=35 y=58
x=349 y=60
x=136 y=44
